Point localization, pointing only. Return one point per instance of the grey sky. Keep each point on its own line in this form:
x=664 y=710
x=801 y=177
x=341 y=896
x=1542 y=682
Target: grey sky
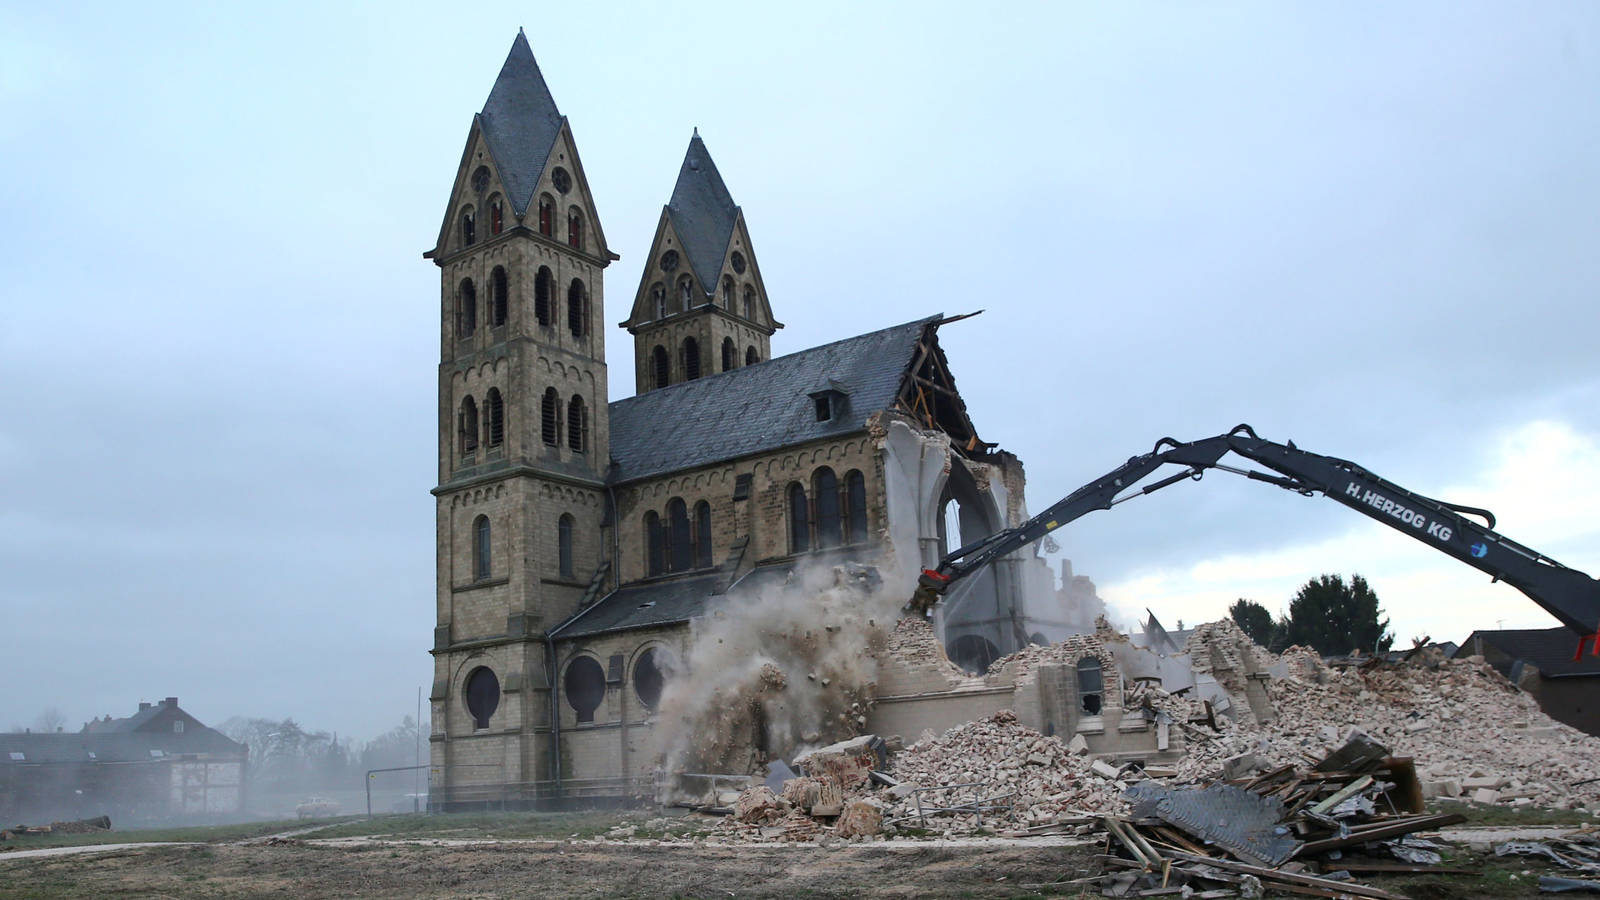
x=1368 y=228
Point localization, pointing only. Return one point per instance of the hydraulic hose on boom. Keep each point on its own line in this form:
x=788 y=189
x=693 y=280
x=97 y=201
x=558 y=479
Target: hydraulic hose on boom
x=1568 y=594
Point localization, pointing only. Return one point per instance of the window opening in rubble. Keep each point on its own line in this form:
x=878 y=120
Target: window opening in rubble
x=758 y=728
x=1038 y=638
x=973 y=653
x=680 y=552
x=564 y=546
x=855 y=504
x=544 y=287
x=549 y=431
x=691 y=358
x=497 y=297
x=656 y=560
x=467 y=309
x=577 y=425
x=481 y=568
x=495 y=407
x=1091 y=685
x=483 y=695
x=799 y=520
x=751 y=357
x=467 y=425
x=730 y=354
x=702 y=535
x=662 y=366
x=648 y=679
x=825 y=486
x=469 y=232
x=577 y=309
x=547 y=214
x=585 y=686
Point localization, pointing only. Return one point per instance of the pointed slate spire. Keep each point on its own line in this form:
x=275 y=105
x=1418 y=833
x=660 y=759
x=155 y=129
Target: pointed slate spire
x=520 y=123
x=702 y=213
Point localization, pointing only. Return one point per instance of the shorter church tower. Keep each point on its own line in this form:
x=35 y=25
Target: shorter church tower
x=701 y=306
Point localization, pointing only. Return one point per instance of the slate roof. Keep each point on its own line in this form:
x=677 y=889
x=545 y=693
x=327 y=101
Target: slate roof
x=646 y=604
x=111 y=747
x=520 y=123
x=1548 y=649
x=702 y=213
x=759 y=408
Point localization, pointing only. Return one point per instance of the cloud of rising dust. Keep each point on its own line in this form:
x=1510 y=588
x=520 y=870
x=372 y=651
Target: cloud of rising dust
x=768 y=674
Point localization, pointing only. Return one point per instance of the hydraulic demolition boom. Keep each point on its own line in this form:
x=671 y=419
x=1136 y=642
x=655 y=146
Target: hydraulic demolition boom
x=1568 y=594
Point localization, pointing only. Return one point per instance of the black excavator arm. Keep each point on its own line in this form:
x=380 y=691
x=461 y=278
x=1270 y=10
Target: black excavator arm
x=1568 y=594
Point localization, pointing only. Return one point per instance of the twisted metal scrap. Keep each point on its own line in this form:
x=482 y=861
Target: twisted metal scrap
x=1241 y=822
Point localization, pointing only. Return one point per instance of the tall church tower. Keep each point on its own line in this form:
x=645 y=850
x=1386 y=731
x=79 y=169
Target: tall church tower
x=701 y=306
x=523 y=433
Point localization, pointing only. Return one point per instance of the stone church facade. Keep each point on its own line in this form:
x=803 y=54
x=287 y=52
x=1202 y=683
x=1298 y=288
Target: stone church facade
x=578 y=538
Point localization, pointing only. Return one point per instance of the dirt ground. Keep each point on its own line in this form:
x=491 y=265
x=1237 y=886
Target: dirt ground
x=562 y=855
x=308 y=870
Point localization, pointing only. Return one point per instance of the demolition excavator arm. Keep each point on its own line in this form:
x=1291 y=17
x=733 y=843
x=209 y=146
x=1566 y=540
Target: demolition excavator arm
x=1568 y=594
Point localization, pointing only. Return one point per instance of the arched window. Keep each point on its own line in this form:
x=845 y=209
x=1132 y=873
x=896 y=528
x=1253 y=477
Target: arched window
x=495 y=409
x=497 y=297
x=702 y=535
x=730 y=354
x=680 y=550
x=585 y=686
x=577 y=309
x=648 y=678
x=855 y=504
x=483 y=696
x=661 y=364
x=825 y=487
x=469 y=231
x=656 y=561
x=549 y=418
x=544 y=289
x=547 y=215
x=658 y=300
x=496 y=216
x=749 y=302
x=691 y=359
x=575 y=228
x=751 y=357
x=467 y=425
x=564 y=545
x=467 y=309
x=799 y=520
x=481 y=562
x=727 y=293
x=1091 y=685
x=685 y=292
x=577 y=425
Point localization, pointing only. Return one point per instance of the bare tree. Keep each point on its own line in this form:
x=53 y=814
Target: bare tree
x=50 y=720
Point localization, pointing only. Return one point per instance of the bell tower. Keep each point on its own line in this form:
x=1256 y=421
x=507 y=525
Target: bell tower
x=523 y=431
x=701 y=306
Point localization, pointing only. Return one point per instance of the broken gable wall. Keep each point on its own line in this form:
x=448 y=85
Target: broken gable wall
x=920 y=689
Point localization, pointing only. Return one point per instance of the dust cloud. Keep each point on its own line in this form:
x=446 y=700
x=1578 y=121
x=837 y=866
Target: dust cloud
x=773 y=672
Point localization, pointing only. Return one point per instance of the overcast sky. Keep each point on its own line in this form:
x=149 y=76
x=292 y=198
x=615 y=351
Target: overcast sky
x=1371 y=228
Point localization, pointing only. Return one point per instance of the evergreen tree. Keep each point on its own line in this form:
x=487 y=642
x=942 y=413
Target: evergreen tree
x=1255 y=621
x=1335 y=618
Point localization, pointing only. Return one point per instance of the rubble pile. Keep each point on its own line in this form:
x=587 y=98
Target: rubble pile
x=1473 y=734
x=1353 y=812
x=1039 y=779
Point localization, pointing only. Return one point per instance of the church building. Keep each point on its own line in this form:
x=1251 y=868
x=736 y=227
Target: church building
x=578 y=536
